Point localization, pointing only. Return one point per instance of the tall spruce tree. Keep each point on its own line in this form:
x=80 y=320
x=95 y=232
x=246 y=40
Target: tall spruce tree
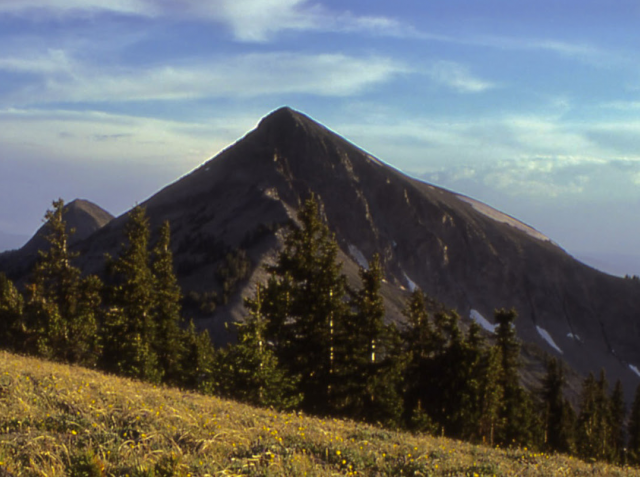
x=130 y=327
x=617 y=416
x=479 y=396
x=558 y=413
x=249 y=370
x=304 y=306
x=419 y=344
x=167 y=315
x=518 y=424
x=197 y=369
x=63 y=308
x=594 y=432
x=491 y=394
x=367 y=358
x=11 y=316
x=634 y=429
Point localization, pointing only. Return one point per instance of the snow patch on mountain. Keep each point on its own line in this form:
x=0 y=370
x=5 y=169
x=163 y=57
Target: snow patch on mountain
x=483 y=322
x=634 y=369
x=358 y=257
x=574 y=337
x=544 y=334
x=410 y=283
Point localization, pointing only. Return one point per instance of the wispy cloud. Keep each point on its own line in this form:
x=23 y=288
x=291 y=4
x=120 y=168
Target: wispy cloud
x=457 y=77
x=64 y=79
x=248 y=20
x=39 y=8
x=100 y=137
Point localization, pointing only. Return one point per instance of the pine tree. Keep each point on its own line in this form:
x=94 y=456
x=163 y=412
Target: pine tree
x=634 y=429
x=62 y=308
x=480 y=396
x=249 y=370
x=197 y=369
x=419 y=344
x=167 y=316
x=367 y=358
x=594 y=430
x=304 y=307
x=130 y=331
x=11 y=316
x=85 y=323
x=490 y=395
x=518 y=420
x=557 y=416
x=617 y=415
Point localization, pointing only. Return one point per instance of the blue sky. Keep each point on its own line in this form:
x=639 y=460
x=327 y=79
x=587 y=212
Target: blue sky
x=532 y=105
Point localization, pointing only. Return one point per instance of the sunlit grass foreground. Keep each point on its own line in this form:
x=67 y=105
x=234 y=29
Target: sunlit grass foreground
x=61 y=420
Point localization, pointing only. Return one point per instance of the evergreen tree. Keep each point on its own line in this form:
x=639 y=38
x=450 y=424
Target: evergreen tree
x=452 y=377
x=197 y=369
x=367 y=359
x=249 y=370
x=304 y=307
x=518 y=420
x=167 y=316
x=557 y=416
x=130 y=327
x=490 y=394
x=617 y=415
x=634 y=429
x=62 y=308
x=11 y=316
x=594 y=432
x=419 y=342
x=480 y=394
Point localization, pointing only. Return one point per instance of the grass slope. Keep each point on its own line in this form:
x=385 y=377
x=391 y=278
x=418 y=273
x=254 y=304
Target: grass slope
x=58 y=420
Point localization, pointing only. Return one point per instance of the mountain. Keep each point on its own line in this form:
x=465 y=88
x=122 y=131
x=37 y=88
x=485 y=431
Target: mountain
x=83 y=216
x=227 y=216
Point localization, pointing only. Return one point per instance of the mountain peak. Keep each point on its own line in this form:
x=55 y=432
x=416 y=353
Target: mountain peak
x=280 y=116
x=287 y=121
x=83 y=216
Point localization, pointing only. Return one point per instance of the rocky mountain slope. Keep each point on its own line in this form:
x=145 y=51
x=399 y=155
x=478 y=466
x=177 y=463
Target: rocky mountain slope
x=227 y=216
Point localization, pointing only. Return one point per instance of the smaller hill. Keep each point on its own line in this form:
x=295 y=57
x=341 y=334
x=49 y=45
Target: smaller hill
x=58 y=420
x=83 y=216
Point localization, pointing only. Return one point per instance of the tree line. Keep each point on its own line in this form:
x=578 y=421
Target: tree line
x=311 y=342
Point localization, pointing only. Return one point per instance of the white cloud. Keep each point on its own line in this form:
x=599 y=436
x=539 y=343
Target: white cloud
x=35 y=8
x=100 y=137
x=457 y=77
x=53 y=62
x=66 y=80
x=248 y=20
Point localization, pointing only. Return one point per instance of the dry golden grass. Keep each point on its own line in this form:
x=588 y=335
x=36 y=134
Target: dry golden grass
x=60 y=420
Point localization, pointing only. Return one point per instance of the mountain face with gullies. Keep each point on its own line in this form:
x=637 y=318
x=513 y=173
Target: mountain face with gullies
x=227 y=220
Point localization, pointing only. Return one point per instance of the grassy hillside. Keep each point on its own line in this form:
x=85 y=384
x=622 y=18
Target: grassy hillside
x=60 y=420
